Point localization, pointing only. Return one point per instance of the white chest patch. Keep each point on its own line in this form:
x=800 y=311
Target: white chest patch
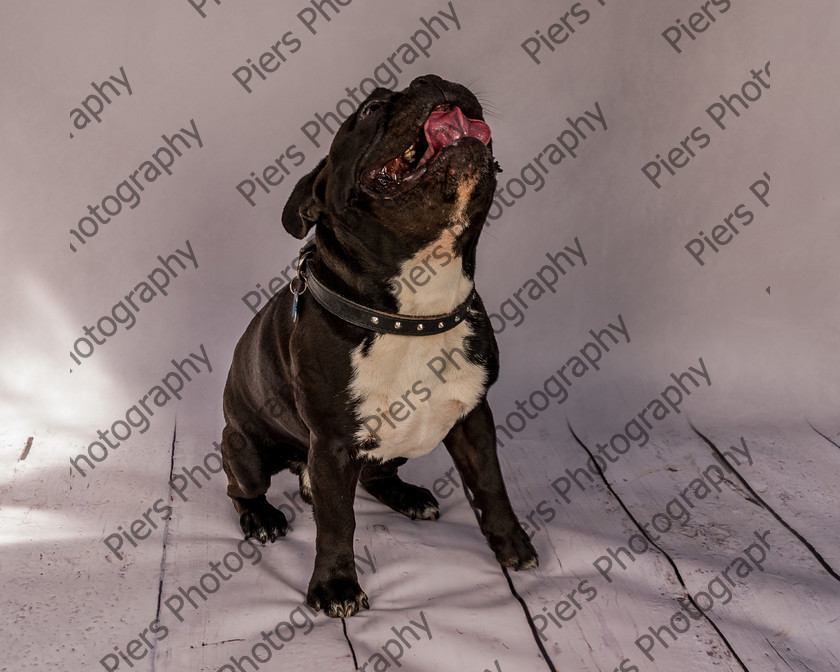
x=411 y=390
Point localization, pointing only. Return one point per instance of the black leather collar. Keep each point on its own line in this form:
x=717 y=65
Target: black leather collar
x=369 y=318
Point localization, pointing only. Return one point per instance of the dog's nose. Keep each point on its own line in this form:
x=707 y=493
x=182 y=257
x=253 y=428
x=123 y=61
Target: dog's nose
x=427 y=80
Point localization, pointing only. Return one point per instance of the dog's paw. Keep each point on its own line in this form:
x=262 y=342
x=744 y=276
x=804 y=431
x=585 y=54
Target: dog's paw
x=417 y=503
x=339 y=597
x=263 y=523
x=515 y=551
x=429 y=511
x=410 y=500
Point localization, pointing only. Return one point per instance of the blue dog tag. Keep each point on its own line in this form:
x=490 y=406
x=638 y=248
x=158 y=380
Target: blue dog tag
x=295 y=305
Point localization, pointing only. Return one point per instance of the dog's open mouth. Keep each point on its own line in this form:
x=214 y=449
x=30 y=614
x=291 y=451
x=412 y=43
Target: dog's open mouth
x=446 y=126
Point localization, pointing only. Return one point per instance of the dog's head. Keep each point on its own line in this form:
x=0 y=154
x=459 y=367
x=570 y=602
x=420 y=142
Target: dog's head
x=404 y=169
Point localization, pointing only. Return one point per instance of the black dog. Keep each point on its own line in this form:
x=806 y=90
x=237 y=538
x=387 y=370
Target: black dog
x=382 y=349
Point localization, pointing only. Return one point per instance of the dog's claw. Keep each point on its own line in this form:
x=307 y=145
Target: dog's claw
x=340 y=598
x=431 y=512
x=265 y=524
x=515 y=551
x=527 y=563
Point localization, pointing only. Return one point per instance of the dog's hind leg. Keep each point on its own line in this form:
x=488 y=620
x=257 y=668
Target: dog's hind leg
x=304 y=483
x=248 y=481
x=381 y=481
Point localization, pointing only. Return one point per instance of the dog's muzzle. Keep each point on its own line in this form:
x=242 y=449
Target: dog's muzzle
x=445 y=127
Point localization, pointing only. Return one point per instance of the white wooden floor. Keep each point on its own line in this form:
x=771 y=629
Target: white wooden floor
x=750 y=581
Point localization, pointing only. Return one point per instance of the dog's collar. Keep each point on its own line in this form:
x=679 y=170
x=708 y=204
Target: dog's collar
x=369 y=318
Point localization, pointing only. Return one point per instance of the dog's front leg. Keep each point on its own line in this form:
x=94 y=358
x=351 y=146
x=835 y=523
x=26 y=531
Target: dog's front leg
x=334 y=586
x=472 y=444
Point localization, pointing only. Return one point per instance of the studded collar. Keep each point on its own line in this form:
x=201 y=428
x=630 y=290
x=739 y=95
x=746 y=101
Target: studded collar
x=369 y=318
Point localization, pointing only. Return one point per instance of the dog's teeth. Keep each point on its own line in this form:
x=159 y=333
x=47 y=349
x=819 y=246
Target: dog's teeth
x=408 y=154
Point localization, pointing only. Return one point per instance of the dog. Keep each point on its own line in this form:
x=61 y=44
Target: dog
x=366 y=361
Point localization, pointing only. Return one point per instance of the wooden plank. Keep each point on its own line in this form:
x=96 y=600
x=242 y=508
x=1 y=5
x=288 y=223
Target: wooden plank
x=68 y=598
x=782 y=597
x=590 y=618
x=794 y=470
x=226 y=598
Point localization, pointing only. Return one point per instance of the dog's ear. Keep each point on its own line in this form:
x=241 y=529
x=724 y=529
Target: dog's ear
x=306 y=202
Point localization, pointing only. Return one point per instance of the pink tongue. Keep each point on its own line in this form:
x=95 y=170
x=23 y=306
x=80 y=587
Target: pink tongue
x=443 y=128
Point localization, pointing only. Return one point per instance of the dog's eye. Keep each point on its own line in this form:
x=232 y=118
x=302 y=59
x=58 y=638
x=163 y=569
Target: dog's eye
x=369 y=108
